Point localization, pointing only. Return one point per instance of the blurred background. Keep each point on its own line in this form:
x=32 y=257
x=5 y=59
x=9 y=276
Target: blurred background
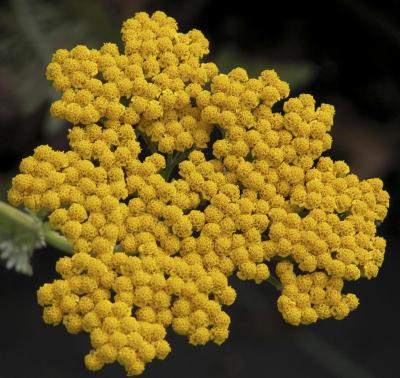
x=344 y=52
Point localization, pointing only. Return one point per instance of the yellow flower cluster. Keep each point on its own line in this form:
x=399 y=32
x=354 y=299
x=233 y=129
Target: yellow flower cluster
x=321 y=217
x=151 y=85
x=150 y=253
x=81 y=301
x=96 y=295
x=308 y=297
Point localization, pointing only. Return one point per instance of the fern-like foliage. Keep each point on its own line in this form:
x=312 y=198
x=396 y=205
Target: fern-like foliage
x=17 y=244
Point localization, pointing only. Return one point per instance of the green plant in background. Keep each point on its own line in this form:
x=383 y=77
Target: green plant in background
x=179 y=176
x=31 y=30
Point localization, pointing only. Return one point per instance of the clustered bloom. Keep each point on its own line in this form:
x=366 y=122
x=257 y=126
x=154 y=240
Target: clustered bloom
x=149 y=252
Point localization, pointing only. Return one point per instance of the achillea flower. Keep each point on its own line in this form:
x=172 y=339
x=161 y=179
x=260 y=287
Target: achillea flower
x=268 y=201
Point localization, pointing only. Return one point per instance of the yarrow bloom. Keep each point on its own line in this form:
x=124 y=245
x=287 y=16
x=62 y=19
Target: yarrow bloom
x=151 y=252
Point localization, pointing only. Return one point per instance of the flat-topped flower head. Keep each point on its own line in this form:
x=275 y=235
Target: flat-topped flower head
x=179 y=176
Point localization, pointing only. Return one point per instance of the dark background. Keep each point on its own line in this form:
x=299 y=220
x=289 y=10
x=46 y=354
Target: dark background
x=343 y=52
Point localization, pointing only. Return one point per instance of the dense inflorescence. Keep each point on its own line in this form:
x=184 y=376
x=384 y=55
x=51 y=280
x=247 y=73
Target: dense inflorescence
x=152 y=252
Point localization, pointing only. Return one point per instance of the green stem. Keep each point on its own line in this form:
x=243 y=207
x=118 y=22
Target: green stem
x=170 y=166
x=151 y=146
x=54 y=239
x=173 y=161
x=33 y=224
x=275 y=282
x=14 y=215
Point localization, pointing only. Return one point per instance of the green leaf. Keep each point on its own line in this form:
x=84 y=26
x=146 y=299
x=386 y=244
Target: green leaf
x=17 y=244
